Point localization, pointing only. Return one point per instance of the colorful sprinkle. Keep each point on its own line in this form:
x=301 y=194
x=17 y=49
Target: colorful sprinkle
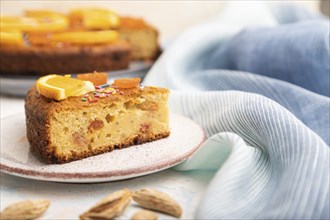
x=103 y=86
x=110 y=89
x=99 y=90
x=83 y=99
x=90 y=100
x=100 y=95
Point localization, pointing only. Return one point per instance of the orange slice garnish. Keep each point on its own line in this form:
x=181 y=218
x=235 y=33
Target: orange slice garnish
x=61 y=87
x=11 y=37
x=86 y=37
x=96 y=78
x=94 y=18
x=126 y=83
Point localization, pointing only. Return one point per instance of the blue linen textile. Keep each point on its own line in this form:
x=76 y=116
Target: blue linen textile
x=268 y=130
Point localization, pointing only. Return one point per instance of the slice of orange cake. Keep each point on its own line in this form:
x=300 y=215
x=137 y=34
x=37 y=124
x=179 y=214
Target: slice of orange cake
x=67 y=119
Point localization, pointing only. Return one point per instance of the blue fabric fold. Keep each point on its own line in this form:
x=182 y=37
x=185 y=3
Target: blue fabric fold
x=311 y=108
x=296 y=53
x=261 y=94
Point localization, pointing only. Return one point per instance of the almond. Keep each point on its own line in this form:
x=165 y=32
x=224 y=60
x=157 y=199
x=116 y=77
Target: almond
x=156 y=200
x=110 y=207
x=29 y=209
x=144 y=215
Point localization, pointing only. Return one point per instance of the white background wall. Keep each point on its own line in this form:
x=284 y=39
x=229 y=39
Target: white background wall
x=168 y=16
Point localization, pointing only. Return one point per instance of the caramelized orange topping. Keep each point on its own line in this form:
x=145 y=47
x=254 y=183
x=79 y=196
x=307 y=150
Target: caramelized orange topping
x=93 y=19
x=40 y=39
x=52 y=23
x=11 y=37
x=126 y=83
x=86 y=37
x=44 y=14
x=96 y=78
x=85 y=26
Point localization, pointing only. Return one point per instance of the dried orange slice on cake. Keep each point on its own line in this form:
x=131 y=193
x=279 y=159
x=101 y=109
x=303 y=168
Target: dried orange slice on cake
x=61 y=87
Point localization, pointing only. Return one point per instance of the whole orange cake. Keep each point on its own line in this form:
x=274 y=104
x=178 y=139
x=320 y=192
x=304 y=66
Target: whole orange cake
x=107 y=118
x=83 y=40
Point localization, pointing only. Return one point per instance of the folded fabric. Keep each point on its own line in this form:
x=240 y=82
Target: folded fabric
x=280 y=170
x=297 y=53
x=268 y=141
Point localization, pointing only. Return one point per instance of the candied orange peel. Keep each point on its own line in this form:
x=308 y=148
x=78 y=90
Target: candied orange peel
x=96 y=78
x=126 y=83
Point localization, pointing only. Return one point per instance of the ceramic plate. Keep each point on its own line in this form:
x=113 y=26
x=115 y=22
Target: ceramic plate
x=19 y=85
x=16 y=158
